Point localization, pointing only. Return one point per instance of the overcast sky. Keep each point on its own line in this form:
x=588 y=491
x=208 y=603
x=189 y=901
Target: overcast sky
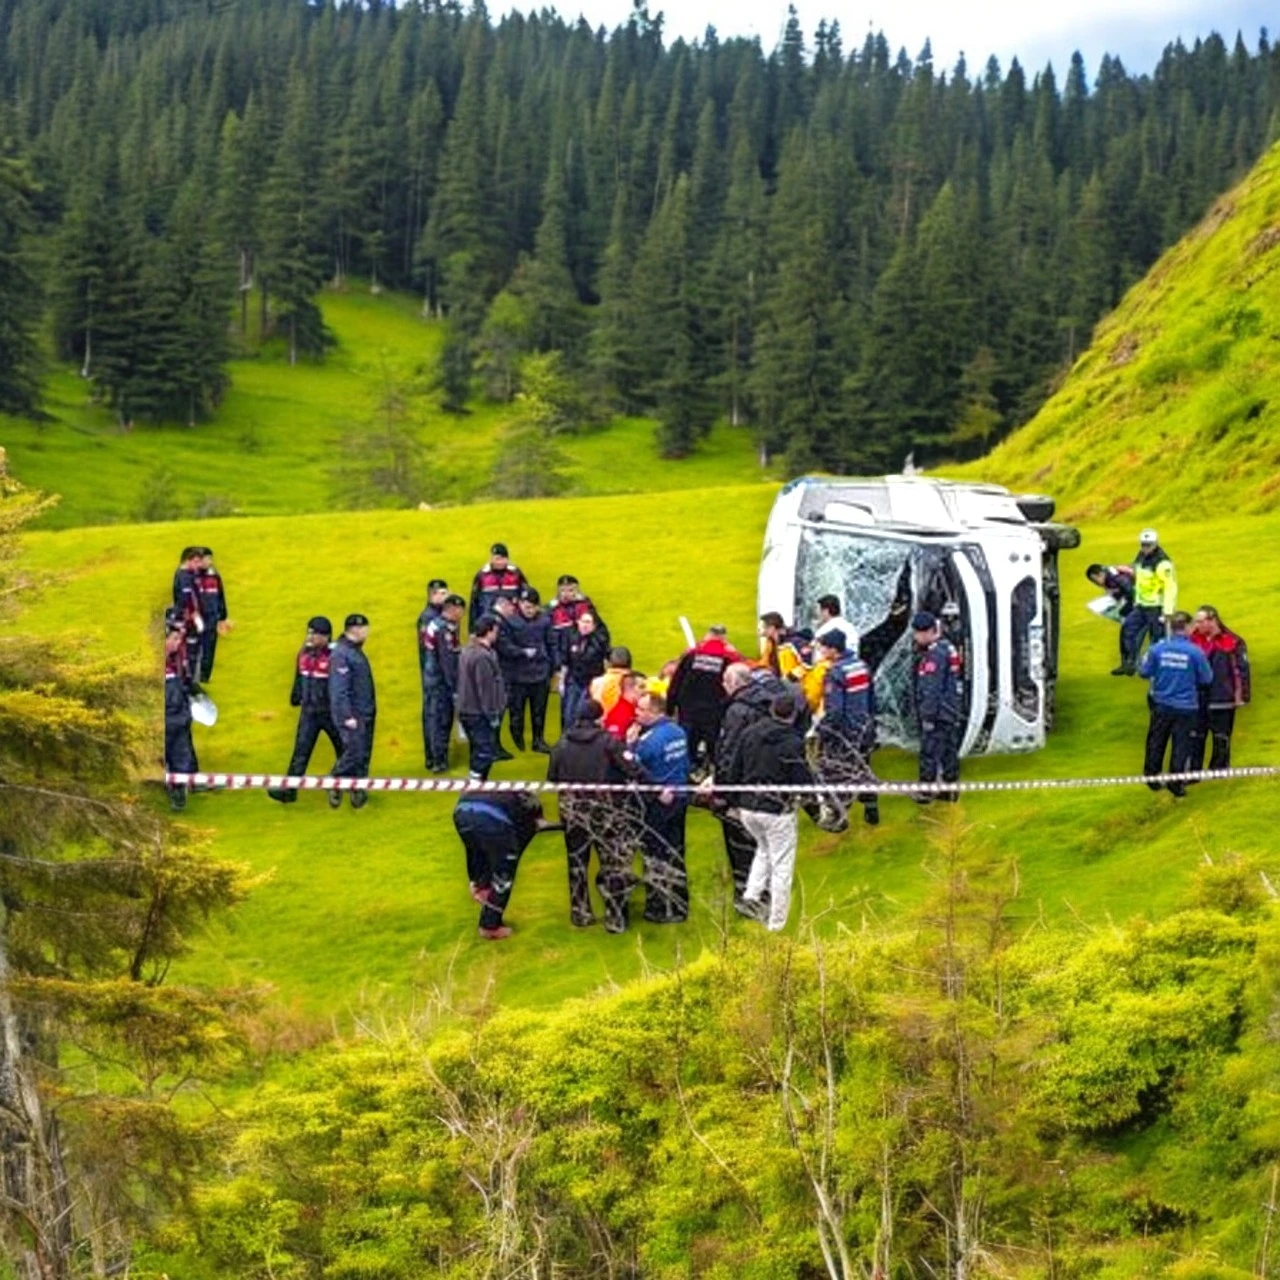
x=1035 y=30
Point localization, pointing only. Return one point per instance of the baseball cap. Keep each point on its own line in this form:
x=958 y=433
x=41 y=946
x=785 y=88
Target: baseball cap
x=320 y=624
x=834 y=639
x=1148 y=535
x=498 y=549
x=355 y=620
x=436 y=584
x=529 y=595
x=455 y=600
x=923 y=621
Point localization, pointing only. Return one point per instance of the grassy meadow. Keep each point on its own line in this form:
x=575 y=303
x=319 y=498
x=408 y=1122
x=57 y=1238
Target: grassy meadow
x=365 y=910
x=281 y=441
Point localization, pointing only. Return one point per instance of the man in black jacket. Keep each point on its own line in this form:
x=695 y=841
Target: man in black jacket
x=354 y=707
x=482 y=696
x=497 y=579
x=773 y=755
x=212 y=596
x=585 y=654
x=438 y=649
x=612 y=823
x=179 y=682
x=526 y=643
x=310 y=695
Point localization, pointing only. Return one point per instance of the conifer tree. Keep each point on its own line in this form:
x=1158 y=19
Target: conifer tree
x=19 y=295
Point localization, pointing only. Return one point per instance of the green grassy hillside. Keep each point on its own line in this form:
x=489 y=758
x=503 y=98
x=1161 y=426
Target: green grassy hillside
x=365 y=906
x=276 y=446
x=1175 y=408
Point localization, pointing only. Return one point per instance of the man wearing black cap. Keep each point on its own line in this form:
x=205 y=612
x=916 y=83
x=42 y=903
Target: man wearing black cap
x=528 y=633
x=569 y=606
x=310 y=695
x=482 y=696
x=437 y=593
x=212 y=598
x=937 y=698
x=179 y=750
x=439 y=647
x=499 y=577
x=353 y=705
x=847 y=730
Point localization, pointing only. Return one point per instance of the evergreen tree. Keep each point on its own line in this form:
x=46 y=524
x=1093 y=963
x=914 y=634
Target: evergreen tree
x=19 y=295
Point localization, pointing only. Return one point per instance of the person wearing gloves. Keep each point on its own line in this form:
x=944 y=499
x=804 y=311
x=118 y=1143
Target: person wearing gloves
x=1155 y=597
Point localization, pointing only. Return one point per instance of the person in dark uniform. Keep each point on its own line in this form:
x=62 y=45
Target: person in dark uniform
x=937 y=699
x=212 y=599
x=1181 y=679
x=186 y=599
x=482 y=696
x=586 y=652
x=697 y=697
x=438 y=650
x=437 y=593
x=846 y=732
x=353 y=705
x=496 y=579
x=611 y=823
x=1117 y=581
x=496 y=828
x=1232 y=686
x=179 y=750
x=661 y=749
x=311 y=696
x=570 y=605
x=528 y=647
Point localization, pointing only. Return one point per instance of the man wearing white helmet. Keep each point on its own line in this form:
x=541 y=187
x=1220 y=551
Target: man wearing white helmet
x=1155 y=598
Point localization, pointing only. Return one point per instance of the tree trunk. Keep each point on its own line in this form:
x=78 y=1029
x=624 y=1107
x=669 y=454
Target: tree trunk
x=244 y=291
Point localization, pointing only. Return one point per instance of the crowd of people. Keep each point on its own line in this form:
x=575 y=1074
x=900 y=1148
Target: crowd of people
x=1196 y=666
x=756 y=741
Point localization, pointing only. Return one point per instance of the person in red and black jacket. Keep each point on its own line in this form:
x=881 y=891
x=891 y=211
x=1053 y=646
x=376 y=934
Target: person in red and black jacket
x=212 y=597
x=570 y=605
x=186 y=599
x=697 y=696
x=311 y=696
x=498 y=578
x=179 y=680
x=1228 y=657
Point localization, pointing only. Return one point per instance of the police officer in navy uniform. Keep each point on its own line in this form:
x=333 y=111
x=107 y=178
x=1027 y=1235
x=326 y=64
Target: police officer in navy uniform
x=179 y=750
x=437 y=593
x=310 y=694
x=846 y=732
x=937 y=699
x=438 y=650
x=186 y=599
x=498 y=578
x=212 y=597
x=570 y=604
x=353 y=705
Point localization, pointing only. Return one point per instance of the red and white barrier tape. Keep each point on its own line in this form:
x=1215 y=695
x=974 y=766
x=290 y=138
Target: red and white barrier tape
x=309 y=782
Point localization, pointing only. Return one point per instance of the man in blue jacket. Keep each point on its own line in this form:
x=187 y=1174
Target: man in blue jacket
x=847 y=731
x=353 y=705
x=1178 y=673
x=937 y=696
x=661 y=748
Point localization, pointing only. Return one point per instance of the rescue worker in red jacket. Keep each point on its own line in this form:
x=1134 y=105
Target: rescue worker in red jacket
x=310 y=695
x=1228 y=657
x=212 y=598
x=697 y=695
x=497 y=578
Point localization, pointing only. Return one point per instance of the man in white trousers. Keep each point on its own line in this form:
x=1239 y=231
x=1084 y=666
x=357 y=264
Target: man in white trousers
x=773 y=756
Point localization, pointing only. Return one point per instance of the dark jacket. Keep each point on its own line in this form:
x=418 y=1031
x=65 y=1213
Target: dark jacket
x=585 y=656
x=186 y=596
x=489 y=584
x=212 y=595
x=1178 y=671
x=311 y=679
x=1228 y=657
x=525 y=649
x=481 y=688
x=588 y=753
x=351 y=694
x=178 y=681
x=772 y=755
x=848 y=702
x=438 y=649
x=512 y=809
x=564 y=625
x=937 y=685
x=697 y=693
x=747 y=705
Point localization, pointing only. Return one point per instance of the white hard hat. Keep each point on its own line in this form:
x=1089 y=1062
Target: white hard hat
x=1148 y=535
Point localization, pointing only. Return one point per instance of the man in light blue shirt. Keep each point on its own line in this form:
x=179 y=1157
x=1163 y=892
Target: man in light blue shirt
x=1179 y=674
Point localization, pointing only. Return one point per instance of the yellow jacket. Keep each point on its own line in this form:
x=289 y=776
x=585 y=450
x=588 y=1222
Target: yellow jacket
x=607 y=689
x=1155 y=582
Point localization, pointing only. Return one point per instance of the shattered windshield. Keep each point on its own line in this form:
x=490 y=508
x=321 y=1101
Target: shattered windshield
x=873 y=579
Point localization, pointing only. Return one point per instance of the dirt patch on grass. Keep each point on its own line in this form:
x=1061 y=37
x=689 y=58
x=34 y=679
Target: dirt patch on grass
x=1220 y=213
x=1121 y=504
x=1124 y=350
x=1262 y=243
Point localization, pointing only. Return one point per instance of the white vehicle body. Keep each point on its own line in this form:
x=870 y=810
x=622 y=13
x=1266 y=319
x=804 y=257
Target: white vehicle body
x=887 y=547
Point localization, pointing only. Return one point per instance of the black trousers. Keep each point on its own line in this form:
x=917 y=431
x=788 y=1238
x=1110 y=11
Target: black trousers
x=613 y=828
x=1214 y=725
x=482 y=743
x=666 y=899
x=357 y=750
x=179 y=750
x=208 y=647
x=844 y=764
x=312 y=722
x=940 y=754
x=534 y=696
x=1173 y=731
x=702 y=735
x=493 y=854
x=570 y=700
x=1141 y=623
x=437 y=724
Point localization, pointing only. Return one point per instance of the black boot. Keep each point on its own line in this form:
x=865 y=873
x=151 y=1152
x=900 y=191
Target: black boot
x=335 y=799
x=177 y=798
x=540 y=746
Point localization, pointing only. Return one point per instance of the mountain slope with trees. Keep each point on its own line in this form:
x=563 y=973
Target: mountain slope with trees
x=1177 y=403
x=854 y=253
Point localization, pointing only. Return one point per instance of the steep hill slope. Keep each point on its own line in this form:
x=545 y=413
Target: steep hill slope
x=374 y=902
x=293 y=440
x=1176 y=405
